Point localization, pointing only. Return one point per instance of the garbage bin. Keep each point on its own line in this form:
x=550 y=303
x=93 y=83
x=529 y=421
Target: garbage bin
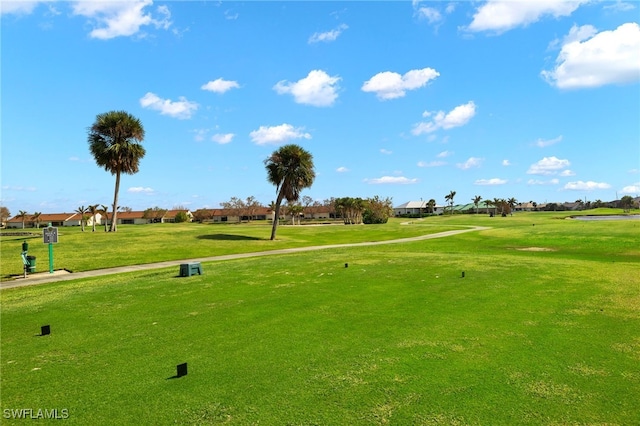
x=31 y=264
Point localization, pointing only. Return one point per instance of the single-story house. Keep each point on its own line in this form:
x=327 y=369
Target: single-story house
x=170 y=216
x=416 y=207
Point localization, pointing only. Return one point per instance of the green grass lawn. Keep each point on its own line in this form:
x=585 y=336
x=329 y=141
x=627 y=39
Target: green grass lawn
x=544 y=329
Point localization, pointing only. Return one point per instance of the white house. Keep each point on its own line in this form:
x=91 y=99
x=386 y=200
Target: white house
x=416 y=207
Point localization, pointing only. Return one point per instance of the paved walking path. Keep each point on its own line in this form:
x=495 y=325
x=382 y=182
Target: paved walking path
x=45 y=277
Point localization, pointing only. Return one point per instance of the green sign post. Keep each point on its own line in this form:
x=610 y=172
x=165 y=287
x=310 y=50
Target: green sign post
x=50 y=236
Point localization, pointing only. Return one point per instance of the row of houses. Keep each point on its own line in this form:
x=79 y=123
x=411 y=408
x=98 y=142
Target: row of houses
x=75 y=219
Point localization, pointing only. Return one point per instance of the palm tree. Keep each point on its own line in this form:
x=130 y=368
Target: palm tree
x=489 y=203
x=104 y=209
x=295 y=210
x=93 y=209
x=114 y=142
x=81 y=210
x=36 y=218
x=431 y=204
x=476 y=201
x=22 y=215
x=449 y=198
x=512 y=204
x=290 y=169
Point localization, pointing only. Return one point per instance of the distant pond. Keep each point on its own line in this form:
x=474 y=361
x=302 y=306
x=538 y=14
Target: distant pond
x=609 y=217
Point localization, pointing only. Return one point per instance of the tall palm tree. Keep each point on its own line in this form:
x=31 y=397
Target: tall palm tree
x=431 y=204
x=81 y=210
x=105 y=210
x=22 y=215
x=290 y=169
x=36 y=218
x=449 y=198
x=512 y=202
x=476 y=201
x=114 y=142
x=93 y=209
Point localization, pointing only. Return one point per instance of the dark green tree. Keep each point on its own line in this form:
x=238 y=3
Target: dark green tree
x=114 y=141
x=290 y=168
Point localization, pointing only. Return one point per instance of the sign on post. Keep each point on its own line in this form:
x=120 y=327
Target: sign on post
x=50 y=235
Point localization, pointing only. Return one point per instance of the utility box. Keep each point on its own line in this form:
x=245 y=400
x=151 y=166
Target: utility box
x=192 y=268
x=31 y=264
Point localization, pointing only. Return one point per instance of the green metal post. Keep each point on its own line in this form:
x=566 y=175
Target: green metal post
x=50 y=258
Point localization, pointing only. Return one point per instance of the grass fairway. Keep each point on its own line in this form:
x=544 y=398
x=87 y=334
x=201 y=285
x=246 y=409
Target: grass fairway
x=544 y=329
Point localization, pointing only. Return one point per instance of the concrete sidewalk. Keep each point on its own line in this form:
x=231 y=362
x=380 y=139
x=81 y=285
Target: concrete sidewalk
x=62 y=275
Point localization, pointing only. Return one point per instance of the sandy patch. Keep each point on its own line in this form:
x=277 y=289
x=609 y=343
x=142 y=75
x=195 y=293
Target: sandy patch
x=535 y=249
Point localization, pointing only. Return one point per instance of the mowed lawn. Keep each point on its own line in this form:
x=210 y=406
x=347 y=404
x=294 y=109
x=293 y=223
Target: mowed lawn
x=543 y=329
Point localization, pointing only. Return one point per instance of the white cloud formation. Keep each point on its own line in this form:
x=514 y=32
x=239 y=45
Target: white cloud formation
x=586 y=186
x=121 y=18
x=386 y=151
x=542 y=143
x=506 y=162
x=470 y=163
x=222 y=138
x=490 y=182
x=181 y=109
x=398 y=180
x=342 y=170
x=632 y=189
x=592 y=60
x=220 y=85
x=548 y=166
x=543 y=182
x=459 y=116
x=431 y=14
x=328 y=35
x=318 y=89
x=499 y=16
x=390 y=85
x=619 y=6
x=277 y=134
x=431 y=163
x=567 y=173
x=140 y=189
x=22 y=7
x=445 y=154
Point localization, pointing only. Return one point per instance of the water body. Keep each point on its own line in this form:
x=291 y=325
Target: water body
x=608 y=217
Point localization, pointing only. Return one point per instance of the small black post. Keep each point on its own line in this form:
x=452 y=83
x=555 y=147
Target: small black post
x=182 y=369
x=462 y=274
x=45 y=330
x=346 y=265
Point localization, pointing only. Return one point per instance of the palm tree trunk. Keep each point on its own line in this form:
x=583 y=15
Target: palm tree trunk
x=114 y=219
x=276 y=214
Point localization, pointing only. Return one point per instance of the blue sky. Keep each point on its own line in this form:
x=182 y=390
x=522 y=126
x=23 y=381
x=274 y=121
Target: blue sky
x=409 y=100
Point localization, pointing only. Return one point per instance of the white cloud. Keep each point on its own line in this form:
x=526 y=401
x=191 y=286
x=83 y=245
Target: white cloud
x=619 y=6
x=490 y=182
x=121 y=18
x=181 y=109
x=22 y=7
x=386 y=151
x=548 y=166
x=499 y=16
x=542 y=143
x=543 y=182
x=222 y=138
x=431 y=163
x=390 y=85
x=586 y=186
x=506 y=162
x=445 y=154
x=342 y=170
x=631 y=189
x=431 y=14
x=140 y=190
x=328 y=35
x=18 y=188
x=318 y=89
x=471 y=162
x=588 y=60
x=566 y=173
x=277 y=134
x=220 y=85
x=398 y=180
x=459 y=116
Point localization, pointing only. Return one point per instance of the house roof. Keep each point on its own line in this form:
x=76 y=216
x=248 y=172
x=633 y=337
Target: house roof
x=131 y=215
x=415 y=205
x=172 y=213
x=45 y=217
